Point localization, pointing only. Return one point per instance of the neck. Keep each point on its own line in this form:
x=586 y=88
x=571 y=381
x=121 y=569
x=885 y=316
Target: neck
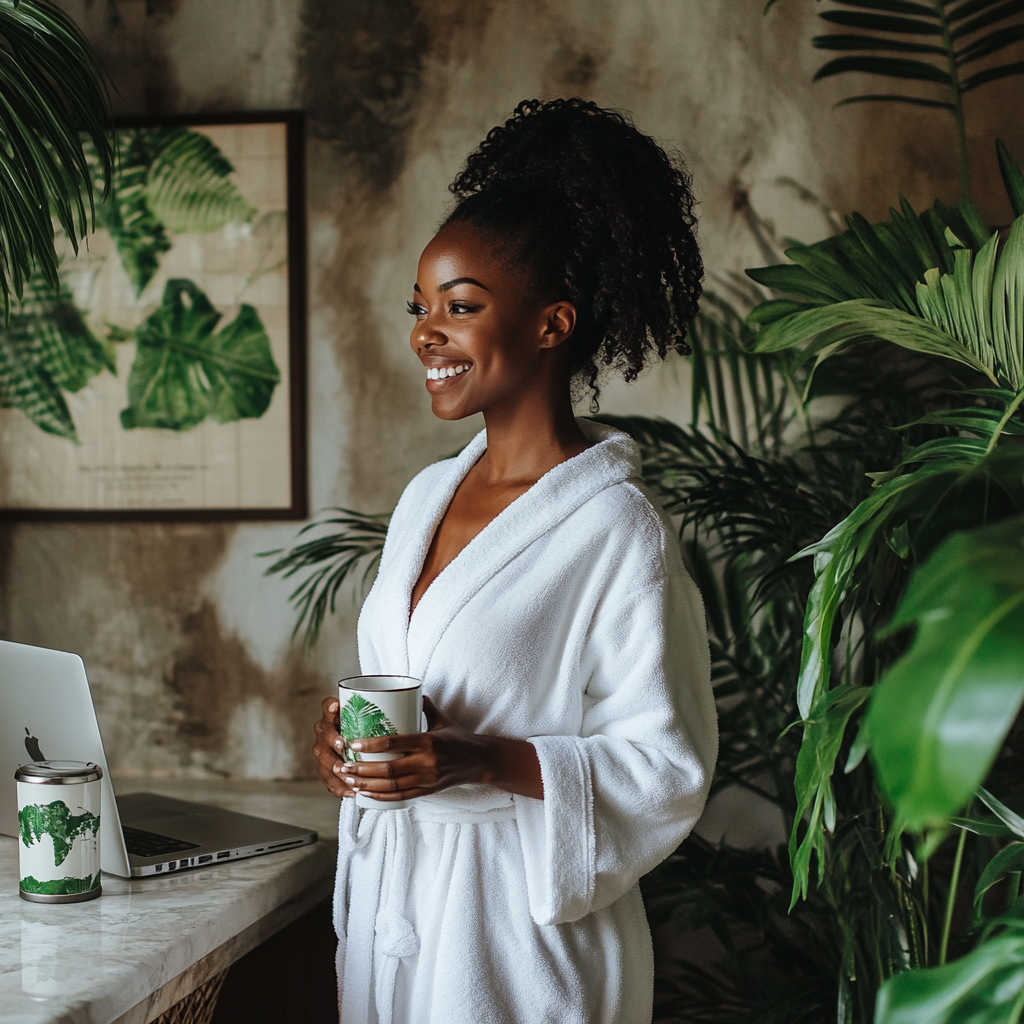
x=526 y=442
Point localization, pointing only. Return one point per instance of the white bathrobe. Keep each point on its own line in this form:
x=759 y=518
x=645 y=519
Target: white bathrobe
x=569 y=621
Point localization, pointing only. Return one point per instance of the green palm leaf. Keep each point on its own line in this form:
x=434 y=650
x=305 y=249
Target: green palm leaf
x=362 y=720
x=944 y=36
x=46 y=348
x=357 y=538
x=170 y=180
x=51 y=90
x=189 y=186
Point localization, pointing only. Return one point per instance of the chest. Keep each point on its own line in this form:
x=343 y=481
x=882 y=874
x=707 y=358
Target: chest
x=473 y=507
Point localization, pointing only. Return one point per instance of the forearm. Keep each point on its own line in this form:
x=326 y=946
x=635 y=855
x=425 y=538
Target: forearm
x=514 y=766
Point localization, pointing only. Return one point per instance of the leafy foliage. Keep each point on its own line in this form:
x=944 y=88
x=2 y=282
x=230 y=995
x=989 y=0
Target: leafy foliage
x=986 y=985
x=184 y=373
x=67 y=886
x=169 y=180
x=51 y=91
x=46 y=348
x=939 y=43
x=332 y=558
x=56 y=821
x=940 y=714
x=362 y=719
x=937 y=284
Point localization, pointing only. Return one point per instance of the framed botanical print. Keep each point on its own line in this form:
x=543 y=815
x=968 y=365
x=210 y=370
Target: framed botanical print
x=166 y=379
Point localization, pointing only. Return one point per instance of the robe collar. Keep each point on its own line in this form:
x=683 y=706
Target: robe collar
x=612 y=458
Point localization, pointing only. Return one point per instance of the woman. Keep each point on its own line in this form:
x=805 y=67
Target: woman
x=535 y=586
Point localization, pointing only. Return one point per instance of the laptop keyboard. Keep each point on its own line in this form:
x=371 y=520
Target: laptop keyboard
x=152 y=844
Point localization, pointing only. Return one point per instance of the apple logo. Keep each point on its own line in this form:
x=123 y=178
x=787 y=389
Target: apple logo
x=32 y=746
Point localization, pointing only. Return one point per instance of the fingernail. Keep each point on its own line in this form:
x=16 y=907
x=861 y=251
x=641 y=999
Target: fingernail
x=350 y=780
x=344 y=768
x=333 y=706
x=356 y=745
x=339 y=744
x=338 y=769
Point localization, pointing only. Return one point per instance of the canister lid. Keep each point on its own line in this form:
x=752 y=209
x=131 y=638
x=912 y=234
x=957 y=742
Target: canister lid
x=59 y=773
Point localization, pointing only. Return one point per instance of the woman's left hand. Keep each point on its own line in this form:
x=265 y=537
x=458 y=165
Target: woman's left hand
x=443 y=756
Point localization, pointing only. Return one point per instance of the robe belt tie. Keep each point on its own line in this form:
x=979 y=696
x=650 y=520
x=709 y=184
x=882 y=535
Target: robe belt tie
x=392 y=938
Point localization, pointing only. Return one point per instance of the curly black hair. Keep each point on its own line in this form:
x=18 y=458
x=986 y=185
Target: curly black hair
x=599 y=215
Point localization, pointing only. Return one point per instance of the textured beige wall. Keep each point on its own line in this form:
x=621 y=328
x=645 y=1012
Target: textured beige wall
x=187 y=646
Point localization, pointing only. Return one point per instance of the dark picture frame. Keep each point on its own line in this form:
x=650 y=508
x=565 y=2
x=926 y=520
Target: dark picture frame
x=291 y=479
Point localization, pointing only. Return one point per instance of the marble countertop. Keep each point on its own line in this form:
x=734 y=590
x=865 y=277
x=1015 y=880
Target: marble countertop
x=145 y=943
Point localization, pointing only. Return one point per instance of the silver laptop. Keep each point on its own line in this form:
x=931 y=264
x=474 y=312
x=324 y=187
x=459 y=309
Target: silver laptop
x=46 y=711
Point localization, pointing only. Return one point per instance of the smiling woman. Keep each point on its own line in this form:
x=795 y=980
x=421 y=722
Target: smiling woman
x=536 y=588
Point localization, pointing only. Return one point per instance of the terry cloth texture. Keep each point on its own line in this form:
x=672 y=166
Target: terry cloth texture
x=569 y=620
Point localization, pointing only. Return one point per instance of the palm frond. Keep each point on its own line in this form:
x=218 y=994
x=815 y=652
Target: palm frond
x=170 y=180
x=51 y=92
x=328 y=561
x=47 y=348
x=928 y=43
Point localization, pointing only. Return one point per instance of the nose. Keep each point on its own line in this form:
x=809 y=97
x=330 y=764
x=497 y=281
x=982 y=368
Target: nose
x=425 y=335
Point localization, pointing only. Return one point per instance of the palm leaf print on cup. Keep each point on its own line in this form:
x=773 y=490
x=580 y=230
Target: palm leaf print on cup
x=362 y=720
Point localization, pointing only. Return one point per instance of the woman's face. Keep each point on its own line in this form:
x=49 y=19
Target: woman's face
x=485 y=340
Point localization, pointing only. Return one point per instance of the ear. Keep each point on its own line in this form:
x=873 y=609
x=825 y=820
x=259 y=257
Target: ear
x=559 y=323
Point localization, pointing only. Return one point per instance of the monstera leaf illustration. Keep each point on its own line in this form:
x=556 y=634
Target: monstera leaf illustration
x=46 y=348
x=183 y=372
x=361 y=719
x=169 y=180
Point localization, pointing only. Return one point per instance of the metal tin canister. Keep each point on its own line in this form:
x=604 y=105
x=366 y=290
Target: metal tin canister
x=59 y=824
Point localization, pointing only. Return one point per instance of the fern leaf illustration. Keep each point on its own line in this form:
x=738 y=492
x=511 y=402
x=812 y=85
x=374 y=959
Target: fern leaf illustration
x=361 y=719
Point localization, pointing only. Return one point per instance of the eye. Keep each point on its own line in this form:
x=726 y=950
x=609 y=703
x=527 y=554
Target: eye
x=461 y=307
x=414 y=309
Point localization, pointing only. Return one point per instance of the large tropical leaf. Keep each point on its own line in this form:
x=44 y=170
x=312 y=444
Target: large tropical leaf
x=170 y=180
x=51 y=90
x=951 y=485
x=46 y=348
x=939 y=716
x=183 y=372
x=984 y=987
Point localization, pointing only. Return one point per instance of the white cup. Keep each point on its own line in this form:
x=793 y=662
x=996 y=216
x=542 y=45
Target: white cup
x=371 y=706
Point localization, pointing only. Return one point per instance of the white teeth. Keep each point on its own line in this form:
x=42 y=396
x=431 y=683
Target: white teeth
x=443 y=372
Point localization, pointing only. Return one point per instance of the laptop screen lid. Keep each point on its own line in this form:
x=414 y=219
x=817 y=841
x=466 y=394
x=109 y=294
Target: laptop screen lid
x=46 y=712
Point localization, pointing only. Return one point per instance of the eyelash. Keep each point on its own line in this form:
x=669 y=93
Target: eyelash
x=413 y=309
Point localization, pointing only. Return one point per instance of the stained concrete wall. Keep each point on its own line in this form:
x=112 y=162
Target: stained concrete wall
x=186 y=644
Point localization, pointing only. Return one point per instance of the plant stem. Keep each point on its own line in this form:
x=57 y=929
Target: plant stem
x=1010 y=410
x=956 y=97
x=951 y=897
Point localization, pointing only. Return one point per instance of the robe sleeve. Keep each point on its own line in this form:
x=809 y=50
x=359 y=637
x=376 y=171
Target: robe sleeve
x=622 y=795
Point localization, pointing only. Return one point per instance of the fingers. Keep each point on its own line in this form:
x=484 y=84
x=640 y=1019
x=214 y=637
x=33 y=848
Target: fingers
x=400 y=776
x=328 y=748
x=383 y=744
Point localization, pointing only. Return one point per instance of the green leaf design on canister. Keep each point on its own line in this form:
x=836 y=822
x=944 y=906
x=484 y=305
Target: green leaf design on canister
x=61 y=886
x=361 y=720
x=56 y=820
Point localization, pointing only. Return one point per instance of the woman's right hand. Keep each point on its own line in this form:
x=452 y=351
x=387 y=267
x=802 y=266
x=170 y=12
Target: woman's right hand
x=328 y=747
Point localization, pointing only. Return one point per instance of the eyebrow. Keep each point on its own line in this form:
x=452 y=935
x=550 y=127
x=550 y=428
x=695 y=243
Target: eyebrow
x=448 y=285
